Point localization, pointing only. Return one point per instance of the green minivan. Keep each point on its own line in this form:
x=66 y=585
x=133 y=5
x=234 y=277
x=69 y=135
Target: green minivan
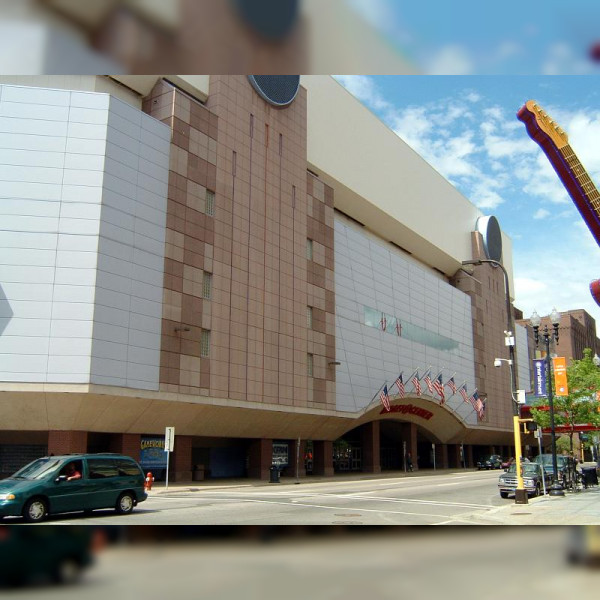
x=70 y=483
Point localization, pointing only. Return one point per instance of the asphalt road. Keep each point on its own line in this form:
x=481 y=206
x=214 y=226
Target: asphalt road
x=448 y=498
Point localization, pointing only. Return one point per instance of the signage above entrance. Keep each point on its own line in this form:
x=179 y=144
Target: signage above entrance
x=408 y=409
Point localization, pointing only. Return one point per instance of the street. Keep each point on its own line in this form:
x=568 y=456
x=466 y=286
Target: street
x=428 y=499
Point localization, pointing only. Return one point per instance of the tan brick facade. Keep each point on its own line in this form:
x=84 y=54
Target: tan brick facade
x=266 y=207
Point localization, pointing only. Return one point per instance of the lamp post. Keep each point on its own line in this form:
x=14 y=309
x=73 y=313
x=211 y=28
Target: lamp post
x=520 y=492
x=535 y=320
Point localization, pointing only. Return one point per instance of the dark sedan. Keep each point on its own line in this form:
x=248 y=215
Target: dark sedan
x=492 y=461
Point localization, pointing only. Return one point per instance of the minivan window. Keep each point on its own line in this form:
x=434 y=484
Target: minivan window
x=102 y=467
x=37 y=469
x=128 y=468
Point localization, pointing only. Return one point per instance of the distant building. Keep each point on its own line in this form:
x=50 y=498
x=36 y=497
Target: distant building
x=576 y=331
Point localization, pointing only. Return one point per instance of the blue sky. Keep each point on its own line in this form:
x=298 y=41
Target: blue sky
x=473 y=37
x=466 y=128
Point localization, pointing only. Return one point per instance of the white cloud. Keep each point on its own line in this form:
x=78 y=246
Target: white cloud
x=473 y=97
x=541 y=213
x=364 y=88
x=451 y=60
x=560 y=273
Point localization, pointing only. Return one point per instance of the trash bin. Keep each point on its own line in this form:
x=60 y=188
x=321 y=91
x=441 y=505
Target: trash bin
x=274 y=471
x=589 y=476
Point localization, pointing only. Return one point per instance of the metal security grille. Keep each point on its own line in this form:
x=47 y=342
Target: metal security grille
x=210 y=203
x=206 y=285
x=278 y=90
x=205 y=343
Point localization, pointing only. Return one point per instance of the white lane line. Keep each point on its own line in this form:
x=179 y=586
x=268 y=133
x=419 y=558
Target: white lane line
x=447 y=484
x=356 y=496
x=411 y=501
x=392 y=512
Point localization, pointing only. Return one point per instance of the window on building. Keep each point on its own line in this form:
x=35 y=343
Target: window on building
x=210 y=203
x=205 y=343
x=309 y=317
x=309 y=249
x=310 y=364
x=207 y=285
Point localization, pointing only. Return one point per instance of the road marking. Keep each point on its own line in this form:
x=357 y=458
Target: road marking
x=392 y=512
x=355 y=496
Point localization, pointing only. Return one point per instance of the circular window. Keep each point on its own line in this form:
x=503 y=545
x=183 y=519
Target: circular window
x=278 y=90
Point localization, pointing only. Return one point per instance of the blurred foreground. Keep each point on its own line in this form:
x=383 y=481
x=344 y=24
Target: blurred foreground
x=300 y=562
x=297 y=36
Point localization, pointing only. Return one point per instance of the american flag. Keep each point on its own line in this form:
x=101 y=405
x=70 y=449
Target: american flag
x=416 y=383
x=451 y=384
x=427 y=379
x=400 y=385
x=478 y=405
x=439 y=388
x=384 y=397
x=462 y=390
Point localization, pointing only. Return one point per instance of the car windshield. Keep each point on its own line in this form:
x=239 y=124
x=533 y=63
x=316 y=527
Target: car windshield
x=546 y=459
x=528 y=468
x=37 y=469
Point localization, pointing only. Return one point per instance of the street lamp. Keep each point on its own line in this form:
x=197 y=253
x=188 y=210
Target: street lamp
x=520 y=492
x=535 y=320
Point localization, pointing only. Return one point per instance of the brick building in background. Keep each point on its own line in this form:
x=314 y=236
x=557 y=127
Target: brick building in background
x=192 y=251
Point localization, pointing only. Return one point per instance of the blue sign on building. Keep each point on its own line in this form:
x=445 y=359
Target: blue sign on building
x=152 y=453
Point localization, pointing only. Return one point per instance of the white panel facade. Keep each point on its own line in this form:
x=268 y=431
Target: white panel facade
x=434 y=322
x=56 y=228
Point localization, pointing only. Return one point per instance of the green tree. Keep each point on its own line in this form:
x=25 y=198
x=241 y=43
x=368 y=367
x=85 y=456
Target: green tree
x=581 y=405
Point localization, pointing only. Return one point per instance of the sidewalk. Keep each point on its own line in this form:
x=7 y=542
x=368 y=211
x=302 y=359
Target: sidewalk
x=574 y=508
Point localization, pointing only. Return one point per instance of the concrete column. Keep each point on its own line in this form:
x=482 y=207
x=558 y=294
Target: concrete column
x=180 y=468
x=369 y=433
x=67 y=442
x=127 y=443
x=260 y=458
x=409 y=435
x=323 y=458
x=290 y=470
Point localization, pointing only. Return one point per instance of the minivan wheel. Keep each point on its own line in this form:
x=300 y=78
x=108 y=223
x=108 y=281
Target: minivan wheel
x=125 y=503
x=35 y=510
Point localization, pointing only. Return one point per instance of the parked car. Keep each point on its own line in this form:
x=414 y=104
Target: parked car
x=44 y=487
x=566 y=466
x=493 y=461
x=533 y=475
x=506 y=464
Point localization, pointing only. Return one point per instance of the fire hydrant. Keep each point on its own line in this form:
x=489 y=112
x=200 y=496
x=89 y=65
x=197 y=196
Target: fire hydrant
x=149 y=481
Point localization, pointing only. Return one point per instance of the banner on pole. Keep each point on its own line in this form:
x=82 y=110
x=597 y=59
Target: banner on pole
x=560 y=376
x=539 y=376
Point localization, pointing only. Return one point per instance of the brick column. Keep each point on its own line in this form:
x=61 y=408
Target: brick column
x=67 y=442
x=409 y=435
x=323 y=458
x=290 y=470
x=260 y=458
x=454 y=456
x=127 y=443
x=181 y=459
x=468 y=449
x=441 y=456
x=369 y=434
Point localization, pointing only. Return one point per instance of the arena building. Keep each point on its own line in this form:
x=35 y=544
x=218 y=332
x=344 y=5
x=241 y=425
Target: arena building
x=249 y=260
